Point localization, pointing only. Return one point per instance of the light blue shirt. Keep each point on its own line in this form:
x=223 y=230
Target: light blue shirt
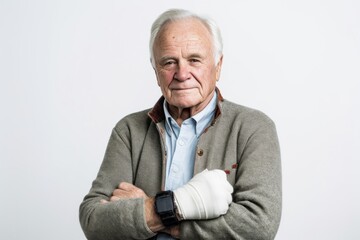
x=181 y=142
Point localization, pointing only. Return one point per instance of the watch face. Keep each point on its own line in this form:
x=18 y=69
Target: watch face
x=164 y=204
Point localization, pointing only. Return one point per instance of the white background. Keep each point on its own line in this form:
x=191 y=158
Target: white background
x=69 y=70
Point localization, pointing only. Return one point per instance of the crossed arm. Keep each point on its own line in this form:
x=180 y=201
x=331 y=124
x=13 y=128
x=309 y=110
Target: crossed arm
x=128 y=191
x=128 y=212
x=207 y=195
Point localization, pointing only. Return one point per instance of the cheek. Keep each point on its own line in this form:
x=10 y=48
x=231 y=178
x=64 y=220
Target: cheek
x=206 y=78
x=164 y=78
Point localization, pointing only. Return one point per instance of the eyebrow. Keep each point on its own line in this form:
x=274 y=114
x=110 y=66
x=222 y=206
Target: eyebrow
x=195 y=55
x=165 y=58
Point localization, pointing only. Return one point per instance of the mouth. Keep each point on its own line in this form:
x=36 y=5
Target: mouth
x=181 y=89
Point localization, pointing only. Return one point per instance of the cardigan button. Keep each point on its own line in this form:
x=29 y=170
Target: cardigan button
x=200 y=152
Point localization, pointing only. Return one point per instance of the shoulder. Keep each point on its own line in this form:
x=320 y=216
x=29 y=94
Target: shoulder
x=244 y=115
x=134 y=122
x=245 y=123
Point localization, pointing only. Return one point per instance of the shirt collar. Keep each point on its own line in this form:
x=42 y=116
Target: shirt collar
x=157 y=115
x=201 y=120
x=170 y=123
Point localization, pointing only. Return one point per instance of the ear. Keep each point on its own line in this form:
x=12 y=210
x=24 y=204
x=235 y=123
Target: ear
x=218 y=68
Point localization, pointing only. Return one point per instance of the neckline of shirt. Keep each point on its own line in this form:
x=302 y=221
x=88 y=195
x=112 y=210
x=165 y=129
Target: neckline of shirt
x=201 y=120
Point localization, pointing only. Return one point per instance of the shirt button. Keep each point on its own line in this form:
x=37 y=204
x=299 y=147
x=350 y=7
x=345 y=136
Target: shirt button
x=181 y=142
x=200 y=152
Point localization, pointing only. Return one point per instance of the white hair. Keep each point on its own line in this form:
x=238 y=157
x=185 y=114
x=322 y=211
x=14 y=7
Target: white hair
x=173 y=15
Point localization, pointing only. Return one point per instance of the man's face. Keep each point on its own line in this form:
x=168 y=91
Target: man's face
x=184 y=64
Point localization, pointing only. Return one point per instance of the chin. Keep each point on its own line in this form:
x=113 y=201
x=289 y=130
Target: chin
x=184 y=101
x=184 y=104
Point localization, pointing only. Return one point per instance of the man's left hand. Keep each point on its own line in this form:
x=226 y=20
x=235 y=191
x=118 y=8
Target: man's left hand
x=127 y=191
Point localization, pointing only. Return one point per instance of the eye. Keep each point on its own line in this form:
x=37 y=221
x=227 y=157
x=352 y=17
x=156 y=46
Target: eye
x=194 y=60
x=169 y=62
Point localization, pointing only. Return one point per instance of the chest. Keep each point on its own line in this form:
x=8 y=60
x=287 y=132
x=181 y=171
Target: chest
x=216 y=148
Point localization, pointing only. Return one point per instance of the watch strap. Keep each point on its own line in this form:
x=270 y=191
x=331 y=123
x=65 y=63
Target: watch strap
x=165 y=208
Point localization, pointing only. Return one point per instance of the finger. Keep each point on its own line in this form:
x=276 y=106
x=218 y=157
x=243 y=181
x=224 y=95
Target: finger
x=120 y=192
x=103 y=201
x=127 y=186
x=114 y=198
x=129 y=191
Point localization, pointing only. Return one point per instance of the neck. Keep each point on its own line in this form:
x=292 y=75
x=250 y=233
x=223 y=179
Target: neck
x=180 y=114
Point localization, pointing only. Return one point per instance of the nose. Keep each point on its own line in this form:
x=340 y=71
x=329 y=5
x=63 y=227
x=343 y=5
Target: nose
x=182 y=72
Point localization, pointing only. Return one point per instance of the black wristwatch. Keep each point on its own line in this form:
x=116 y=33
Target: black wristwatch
x=165 y=208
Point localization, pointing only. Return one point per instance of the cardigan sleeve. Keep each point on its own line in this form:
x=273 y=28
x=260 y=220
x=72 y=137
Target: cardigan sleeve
x=123 y=219
x=256 y=208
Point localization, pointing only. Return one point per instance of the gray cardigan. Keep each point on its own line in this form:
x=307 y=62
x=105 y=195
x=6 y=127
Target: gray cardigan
x=241 y=141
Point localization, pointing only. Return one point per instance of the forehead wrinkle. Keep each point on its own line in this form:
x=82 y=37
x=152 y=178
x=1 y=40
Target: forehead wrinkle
x=192 y=47
x=184 y=40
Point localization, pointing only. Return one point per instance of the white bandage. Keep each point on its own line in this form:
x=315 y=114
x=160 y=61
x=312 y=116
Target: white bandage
x=207 y=195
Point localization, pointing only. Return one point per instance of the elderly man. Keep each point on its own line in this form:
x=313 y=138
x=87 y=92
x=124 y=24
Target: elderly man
x=195 y=166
